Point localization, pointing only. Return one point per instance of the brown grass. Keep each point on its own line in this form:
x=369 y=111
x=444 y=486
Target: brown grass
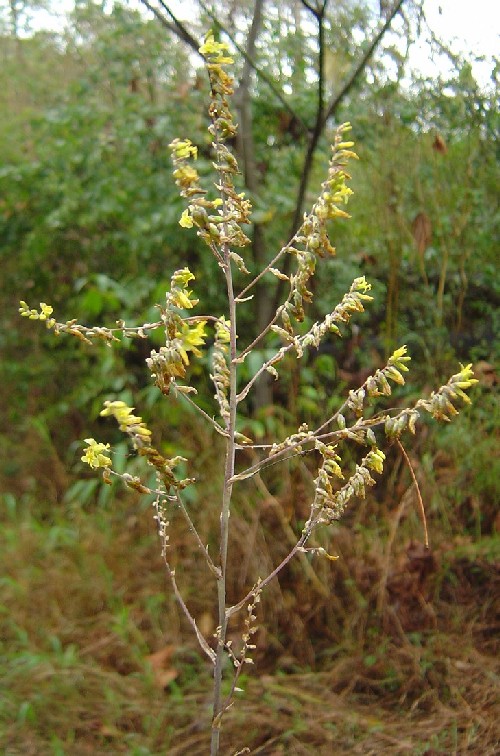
x=85 y=602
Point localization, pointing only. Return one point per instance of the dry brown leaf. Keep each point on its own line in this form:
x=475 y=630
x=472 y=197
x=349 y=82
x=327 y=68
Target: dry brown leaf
x=160 y=662
x=206 y=624
x=439 y=145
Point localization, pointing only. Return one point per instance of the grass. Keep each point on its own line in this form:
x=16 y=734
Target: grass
x=96 y=657
x=386 y=650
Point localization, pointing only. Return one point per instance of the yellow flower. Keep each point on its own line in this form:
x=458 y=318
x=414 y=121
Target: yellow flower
x=183 y=149
x=45 y=311
x=94 y=454
x=222 y=333
x=182 y=277
x=186 y=221
x=186 y=175
x=215 y=50
x=192 y=337
x=180 y=295
x=128 y=423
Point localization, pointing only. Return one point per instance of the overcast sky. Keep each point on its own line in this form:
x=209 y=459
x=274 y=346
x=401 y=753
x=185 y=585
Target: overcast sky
x=471 y=27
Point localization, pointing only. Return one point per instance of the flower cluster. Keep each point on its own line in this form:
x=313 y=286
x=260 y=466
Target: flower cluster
x=95 y=455
x=83 y=333
x=295 y=440
x=312 y=239
x=165 y=468
x=220 y=375
x=129 y=423
x=329 y=505
x=334 y=191
x=43 y=313
x=350 y=303
x=181 y=336
x=133 y=426
x=440 y=403
x=407 y=419
x=249 y=631
x=378 y=383
x=218 y=221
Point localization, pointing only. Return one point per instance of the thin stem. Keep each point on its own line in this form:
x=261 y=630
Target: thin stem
x=247 y=646
x=236 y=607
x=275 y=358
x=291 y=537
x=419 y=496
x=207 y=417
x=282 y=455
x=263 y=271
x=201 y=640
x=218 y=710
x=258 y=338
x=442 y=283
x=187 y=517
x=163 y=524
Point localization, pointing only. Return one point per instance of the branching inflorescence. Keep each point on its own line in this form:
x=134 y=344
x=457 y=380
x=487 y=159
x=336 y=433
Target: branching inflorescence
x=219 y=222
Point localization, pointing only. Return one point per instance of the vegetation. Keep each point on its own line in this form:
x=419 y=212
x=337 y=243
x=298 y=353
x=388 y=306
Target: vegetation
x=384 y=607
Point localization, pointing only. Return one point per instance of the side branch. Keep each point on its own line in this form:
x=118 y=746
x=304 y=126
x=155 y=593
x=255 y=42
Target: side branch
x=204 y=549
x=201 y=640
x=236 y=607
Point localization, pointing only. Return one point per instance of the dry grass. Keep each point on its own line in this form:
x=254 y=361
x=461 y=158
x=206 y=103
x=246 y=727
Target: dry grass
x=376 y=653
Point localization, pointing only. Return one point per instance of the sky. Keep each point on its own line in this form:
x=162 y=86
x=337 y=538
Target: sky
x=471 y=27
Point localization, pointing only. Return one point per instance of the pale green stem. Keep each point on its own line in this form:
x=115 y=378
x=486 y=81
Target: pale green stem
x=224 y=518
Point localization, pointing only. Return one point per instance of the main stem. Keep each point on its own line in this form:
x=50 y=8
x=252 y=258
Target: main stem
x=224 y=517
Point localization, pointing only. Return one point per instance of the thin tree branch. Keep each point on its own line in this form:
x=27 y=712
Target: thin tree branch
x=244 y=105
x=362 y=63
x=320 y=127
x=309 y=7
x=177 y=27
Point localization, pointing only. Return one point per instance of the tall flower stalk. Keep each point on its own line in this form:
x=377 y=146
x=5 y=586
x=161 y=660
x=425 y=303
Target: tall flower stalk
x=219 y=221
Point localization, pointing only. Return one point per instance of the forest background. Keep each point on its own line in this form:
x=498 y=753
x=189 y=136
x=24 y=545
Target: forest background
x=391 y=647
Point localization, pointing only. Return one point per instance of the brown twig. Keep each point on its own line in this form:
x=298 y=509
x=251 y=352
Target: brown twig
x=419 y=496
